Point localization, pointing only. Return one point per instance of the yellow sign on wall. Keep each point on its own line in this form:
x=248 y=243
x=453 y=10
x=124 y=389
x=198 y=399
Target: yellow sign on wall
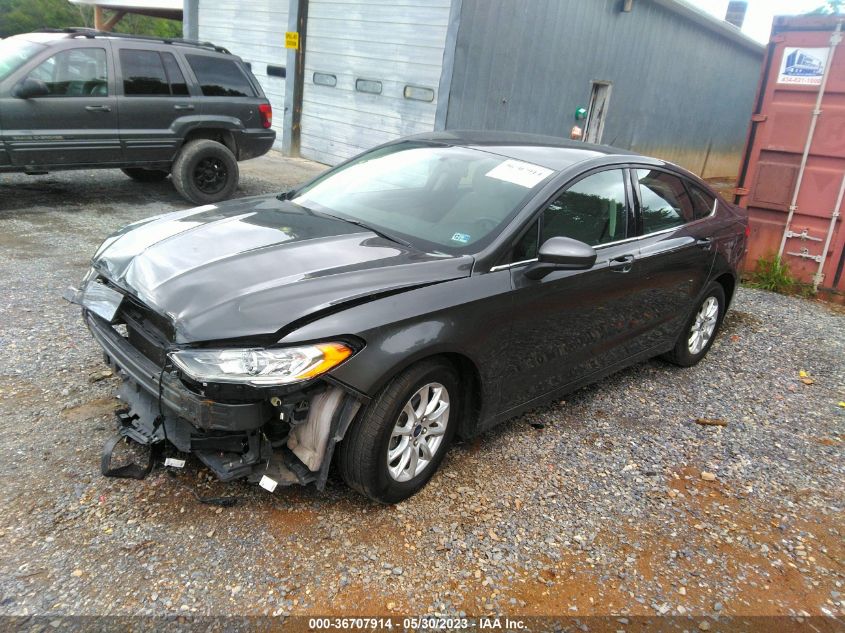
x=292 y=39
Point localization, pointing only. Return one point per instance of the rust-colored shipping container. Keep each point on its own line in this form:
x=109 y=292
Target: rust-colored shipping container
x=792 y=177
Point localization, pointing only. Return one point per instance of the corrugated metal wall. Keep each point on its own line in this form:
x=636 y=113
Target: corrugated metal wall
x=680 y=91
x=395 y=42
x=255 y=31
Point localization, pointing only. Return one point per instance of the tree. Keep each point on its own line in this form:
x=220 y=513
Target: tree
x=830 y=7
x=23 y=16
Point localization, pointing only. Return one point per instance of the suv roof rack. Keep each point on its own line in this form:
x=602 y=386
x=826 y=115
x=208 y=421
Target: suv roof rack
x=79 y=31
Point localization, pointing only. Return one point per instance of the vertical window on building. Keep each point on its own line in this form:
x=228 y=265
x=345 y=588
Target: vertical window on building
x=220 y=77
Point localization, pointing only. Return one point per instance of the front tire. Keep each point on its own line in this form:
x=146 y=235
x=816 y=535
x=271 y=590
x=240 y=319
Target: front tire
x=395 y=446
x=205 y=172
x=701 y=328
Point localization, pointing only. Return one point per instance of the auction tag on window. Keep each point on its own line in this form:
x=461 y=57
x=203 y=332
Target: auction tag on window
x=519 y=173
x=176 y=463
x=268 y=484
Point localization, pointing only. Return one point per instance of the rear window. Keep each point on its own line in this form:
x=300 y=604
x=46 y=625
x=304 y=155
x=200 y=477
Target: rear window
x=220 y=77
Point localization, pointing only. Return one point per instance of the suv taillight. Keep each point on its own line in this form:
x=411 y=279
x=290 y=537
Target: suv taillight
x=266 y=111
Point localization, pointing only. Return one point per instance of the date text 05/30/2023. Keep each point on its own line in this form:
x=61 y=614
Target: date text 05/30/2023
x=417 y=624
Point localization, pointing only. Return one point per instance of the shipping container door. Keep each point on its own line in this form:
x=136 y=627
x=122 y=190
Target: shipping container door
x=255 y=31
x=371 y=73
x=781 y=128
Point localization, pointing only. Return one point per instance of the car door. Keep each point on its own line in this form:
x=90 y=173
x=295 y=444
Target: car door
x=154 y=98
x=573 y=324
x=676 y=251
x=75 y=123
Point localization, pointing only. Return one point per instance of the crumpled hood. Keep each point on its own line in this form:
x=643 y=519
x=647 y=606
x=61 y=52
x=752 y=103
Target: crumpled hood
x=250 y=267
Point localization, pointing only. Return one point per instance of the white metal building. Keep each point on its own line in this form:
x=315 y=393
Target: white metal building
x=360 y=58
x=369 y=71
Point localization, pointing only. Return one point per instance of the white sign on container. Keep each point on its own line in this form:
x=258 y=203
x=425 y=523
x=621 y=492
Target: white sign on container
x=802 y=66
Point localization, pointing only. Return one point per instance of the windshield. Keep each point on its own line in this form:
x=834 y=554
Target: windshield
x=14 y=52
x=437 y=198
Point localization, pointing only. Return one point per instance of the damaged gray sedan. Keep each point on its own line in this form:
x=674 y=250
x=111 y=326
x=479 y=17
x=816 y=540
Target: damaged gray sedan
x=427 y=289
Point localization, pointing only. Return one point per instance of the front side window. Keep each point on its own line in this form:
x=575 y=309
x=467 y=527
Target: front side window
x=78 y=72
x=14 y=53
x=220 y=77
x=453 y=199
x=664 y=201
x=592 y=211
x=143 y=73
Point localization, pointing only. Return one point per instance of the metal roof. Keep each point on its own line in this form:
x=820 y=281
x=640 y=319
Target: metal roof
x=171 y=9
x=702 y=18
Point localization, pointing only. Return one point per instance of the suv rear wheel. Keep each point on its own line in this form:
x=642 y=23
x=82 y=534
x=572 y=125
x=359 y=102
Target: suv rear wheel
x=205 y=171
x=145 y=175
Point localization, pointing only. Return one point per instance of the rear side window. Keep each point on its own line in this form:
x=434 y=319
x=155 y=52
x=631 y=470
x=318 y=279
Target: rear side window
x=220 y=77
x=143 y=73
x=150 y=73
x=665 y=202
x=703 y=204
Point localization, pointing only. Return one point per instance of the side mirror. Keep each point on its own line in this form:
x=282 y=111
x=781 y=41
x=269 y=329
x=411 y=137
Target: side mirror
x=30 y=87
x=561 y=253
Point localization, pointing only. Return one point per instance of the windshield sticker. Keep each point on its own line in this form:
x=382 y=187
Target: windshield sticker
x=463 y=238
x=519 y=173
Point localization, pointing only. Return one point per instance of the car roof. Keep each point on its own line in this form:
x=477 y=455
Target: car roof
x=48 y=35
x=548 y=151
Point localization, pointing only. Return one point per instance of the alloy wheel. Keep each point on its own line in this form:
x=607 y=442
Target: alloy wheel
x=418 y=432
x=703 y=326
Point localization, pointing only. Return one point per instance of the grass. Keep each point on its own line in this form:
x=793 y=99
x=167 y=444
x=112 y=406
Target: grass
x=773 y=274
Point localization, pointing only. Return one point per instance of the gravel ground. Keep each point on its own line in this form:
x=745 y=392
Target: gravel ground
x=615 y=501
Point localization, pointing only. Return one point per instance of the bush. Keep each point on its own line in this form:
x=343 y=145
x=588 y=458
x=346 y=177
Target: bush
x=772 y=273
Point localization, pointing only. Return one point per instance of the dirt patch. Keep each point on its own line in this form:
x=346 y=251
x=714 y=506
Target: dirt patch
x=91 y=409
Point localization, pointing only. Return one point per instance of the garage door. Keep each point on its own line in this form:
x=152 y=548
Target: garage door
x=372 y=71
x=255 y=31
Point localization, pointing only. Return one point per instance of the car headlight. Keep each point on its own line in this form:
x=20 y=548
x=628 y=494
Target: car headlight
x=261 y=366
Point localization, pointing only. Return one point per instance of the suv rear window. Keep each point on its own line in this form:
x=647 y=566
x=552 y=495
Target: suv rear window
x=220 y=77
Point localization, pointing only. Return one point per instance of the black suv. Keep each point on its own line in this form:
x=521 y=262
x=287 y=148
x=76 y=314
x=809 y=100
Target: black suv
x=82 y=99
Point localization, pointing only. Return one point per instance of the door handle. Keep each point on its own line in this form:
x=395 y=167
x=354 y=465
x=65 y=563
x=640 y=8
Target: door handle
x=99 y=108
x=622 y=264
x=705 y=242
x=183 y=106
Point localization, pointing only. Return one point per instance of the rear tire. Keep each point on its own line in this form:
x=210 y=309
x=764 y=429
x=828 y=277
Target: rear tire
x=145 y=175
x=700 y=329
x=205 y=172
x=384 y=428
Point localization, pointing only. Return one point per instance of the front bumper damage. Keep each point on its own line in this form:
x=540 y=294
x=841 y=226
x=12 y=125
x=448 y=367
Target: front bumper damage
x=288 y=437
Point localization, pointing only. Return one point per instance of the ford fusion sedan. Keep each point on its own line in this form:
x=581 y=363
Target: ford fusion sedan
x=425 y=290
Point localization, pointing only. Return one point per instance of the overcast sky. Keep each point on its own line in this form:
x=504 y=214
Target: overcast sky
x=758 y=20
